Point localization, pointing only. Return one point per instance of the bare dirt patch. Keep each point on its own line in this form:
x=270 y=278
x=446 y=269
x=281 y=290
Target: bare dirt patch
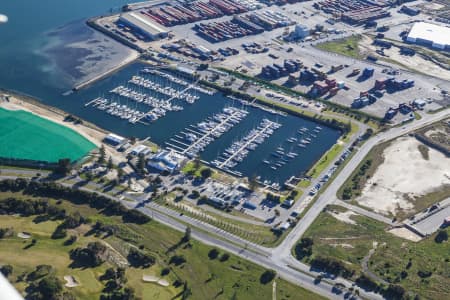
x=416 y=62
x=405 y=234
x=344 y=216
x=404 y=176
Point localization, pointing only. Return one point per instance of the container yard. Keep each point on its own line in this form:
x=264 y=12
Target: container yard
x=242 y=25
x=177 y=13
x=355 y=12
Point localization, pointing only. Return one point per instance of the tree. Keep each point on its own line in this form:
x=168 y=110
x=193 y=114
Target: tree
x=304 y=248
x=110 y=164
x=64 y=166
x=252 y=183
x=206 y=173
x=138 y=258
x=186 y=291
x=140 y=166
x=93 y=255
x=102 y=155
x=441 y=236
x=120 y=173
x=267 y=276
x=213 y=253
x=197 y=162
x=6 y=270
x=49 y=287
x=187 y=234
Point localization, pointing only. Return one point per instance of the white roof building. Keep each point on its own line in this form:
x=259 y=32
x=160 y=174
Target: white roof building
x=140 y=149
x=144 y=25
x=430 y=34
x=166 y=160
x=114 y=139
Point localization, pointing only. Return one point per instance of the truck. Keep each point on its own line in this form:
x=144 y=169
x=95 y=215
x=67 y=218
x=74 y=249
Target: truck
x=354 y=72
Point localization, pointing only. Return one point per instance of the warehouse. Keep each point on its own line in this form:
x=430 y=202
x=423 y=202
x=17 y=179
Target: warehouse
x=143 y=25
x=431 y=35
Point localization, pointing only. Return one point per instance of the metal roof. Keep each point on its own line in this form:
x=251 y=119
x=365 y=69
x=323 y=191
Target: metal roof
x=438 y=35
x=143 y=23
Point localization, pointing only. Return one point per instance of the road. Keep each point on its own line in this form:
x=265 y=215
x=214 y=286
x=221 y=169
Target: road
x=364 y=212
x=329 y=195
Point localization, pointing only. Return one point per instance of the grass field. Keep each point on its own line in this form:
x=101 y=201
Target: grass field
x=351 y=242
x=348 y=46
x=208 y=279
x=27 y=136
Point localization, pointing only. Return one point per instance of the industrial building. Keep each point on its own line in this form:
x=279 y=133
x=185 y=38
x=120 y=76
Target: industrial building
x=430 y=34
x=143 y=25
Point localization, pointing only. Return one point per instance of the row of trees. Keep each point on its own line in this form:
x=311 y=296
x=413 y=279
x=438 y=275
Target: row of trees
x=76 y=196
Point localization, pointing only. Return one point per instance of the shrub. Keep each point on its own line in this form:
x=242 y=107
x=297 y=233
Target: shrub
x=267 y=276
x=177 y=260
x=6 y=270
x=213 y=253
x=441 y=236
x=224 y=257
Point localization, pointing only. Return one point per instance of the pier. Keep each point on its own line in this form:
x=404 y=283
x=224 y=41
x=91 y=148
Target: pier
x=204 y=133
x=261 y=132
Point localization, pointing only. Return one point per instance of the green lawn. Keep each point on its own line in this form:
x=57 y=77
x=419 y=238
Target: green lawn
x=208 y=279
x=348 y=46
x=27 y=136
x=351 y=242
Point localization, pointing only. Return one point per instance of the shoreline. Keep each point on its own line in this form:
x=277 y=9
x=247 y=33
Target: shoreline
x=133 y=57
x=19 y=101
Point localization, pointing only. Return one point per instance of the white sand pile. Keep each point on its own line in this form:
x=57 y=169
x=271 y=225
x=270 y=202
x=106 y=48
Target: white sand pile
x=24 y=235
x=163 y=282
x=70 y=281
x=150 y=278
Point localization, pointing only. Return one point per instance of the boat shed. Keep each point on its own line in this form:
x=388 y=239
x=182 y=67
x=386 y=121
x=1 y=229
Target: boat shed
x=143 y=25
x=114 y=139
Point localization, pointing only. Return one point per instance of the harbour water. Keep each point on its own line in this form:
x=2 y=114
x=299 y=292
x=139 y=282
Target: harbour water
x=28 y=69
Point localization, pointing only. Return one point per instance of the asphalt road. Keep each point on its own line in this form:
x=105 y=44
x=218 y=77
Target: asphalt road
x=329 y=195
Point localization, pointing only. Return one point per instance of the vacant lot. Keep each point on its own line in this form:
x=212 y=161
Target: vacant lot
x=348 y=46
x=407 y=174
x=394 y=260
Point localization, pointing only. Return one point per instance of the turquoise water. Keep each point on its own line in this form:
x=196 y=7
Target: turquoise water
x=24 y=68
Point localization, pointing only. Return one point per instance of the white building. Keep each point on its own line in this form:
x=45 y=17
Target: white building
x=143 y=25
x=114 y=139
x=165 y=160
x=141 y=150
x=429 y=34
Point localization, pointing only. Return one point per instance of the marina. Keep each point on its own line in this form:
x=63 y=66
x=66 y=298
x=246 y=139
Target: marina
x=158 y=92
x=239 y=150
x=197 y=137
x=179 y=127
